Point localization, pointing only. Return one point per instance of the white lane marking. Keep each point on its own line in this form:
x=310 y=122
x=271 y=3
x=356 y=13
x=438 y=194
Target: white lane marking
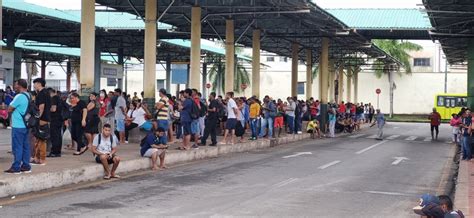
x=396 y=127
x=286 y=182
x=297 y=154
x=427 y=139
x=399 y=160
x=372 y=136
x=388 y=193
x=392 y=137
x=370 y=147
x=329 y=164
x=411 y=138
x=356 y=136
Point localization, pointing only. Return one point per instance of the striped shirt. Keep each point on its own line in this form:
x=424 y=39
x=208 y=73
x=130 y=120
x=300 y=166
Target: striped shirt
x=163 y=112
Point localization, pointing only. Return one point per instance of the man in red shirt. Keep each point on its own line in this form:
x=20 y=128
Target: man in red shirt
x=342 y=107
x=435 y=120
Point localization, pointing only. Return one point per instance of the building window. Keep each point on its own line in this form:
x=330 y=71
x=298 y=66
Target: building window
x=270 y=59
x=160 y=84
x=283 y=59
x=421 y=62
x=301 y=88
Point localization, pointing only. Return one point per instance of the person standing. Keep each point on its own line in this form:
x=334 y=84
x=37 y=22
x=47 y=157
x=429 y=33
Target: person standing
x=254 y=112
x=371 y=113
x=435 y=121
x=185 y=116
x=269 y=113
x=380 y=121
x=120 y=114
x=290 y=115
x=92 y=120
x=103 y=101
x=43 y=103
x=211 y=120
x=78 y=122
x=162 y=108
x=56 y=124
x=109 y=116
x=232 y=113
x=466 y=129
x=332 y=121
x=20 y=140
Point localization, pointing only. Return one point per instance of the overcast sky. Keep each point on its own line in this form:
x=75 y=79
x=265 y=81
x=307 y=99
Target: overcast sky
x=76 y=4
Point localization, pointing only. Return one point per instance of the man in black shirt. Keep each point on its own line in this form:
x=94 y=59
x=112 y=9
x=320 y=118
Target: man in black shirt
x=41 y=133
x=56 y=124
x=211 y=120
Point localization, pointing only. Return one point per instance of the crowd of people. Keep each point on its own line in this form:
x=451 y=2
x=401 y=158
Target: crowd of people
x=462 y=131
x=189 y=119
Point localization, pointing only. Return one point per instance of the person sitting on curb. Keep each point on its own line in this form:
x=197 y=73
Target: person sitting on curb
x=448 y=208
x=104 y=147
x=154 y=146
x=313 y=127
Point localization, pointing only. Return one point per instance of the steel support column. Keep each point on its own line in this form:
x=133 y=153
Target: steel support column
x=470 y=74
x=68 y=75
x=309 y=73
x=121 y=63
x=149 y=76
x=195 y=60
x=87 y=46
x=204 y=80
x=229 y=56
x=356 y=85
x=294 y=69
x=348 y=84
x=325 y=82
x=256 y=62
x=97 y=64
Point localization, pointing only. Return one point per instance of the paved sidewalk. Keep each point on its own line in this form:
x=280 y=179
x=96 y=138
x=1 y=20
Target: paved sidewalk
x=464 y=196
x=71 y=169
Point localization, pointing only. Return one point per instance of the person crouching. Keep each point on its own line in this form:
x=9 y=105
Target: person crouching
x=104 y=147
x=313 y=128
x=154 y=146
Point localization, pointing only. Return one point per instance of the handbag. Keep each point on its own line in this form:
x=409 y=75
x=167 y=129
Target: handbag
x=41 y=132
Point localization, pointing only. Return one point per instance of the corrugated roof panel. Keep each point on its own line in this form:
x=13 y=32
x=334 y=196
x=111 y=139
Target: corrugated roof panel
x=21 y=5
x=379 y=18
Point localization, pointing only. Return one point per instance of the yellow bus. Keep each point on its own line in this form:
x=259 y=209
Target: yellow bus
x=447 y=104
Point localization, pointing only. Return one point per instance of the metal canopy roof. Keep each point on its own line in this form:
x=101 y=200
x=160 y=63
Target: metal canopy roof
x=452 y=26
x=381 y=23
x=282 y=22
x=39 y=25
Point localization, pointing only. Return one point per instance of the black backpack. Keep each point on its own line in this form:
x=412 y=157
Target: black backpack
x=31 y=115
x=195 y=112
x=221 y=110
x=203 y=110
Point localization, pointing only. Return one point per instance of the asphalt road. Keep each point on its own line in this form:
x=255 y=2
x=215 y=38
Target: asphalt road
x=343 y=177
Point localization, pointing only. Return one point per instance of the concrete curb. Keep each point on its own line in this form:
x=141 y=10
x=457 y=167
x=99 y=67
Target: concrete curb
x=461 y=197
x=16 y=185
x=446 y=185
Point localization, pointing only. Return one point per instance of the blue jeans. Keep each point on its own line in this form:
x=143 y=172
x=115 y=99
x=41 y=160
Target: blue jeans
x=291 y=123
x=267 y=121
x=20 y=149
x=466 y=148
x=253 y=127
x=298 y=124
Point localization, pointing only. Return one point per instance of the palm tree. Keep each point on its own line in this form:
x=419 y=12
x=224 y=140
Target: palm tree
x=217 y=73
x=399 y=50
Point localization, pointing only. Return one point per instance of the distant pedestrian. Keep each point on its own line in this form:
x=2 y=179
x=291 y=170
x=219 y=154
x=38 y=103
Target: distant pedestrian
x=466 y=129
x=20 y=140
x=455 y=122
x=435 y=121
x=211 y=120
x=231 y=123
x=57 y=121
x=380 y=121
x=120 y=114
x=254 y=113
x=332 y=121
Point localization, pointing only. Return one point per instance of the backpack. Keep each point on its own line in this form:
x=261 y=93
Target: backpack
x=203 y=110
x=195 y=112
x=100 y=139
x=31 y=114
x=221 y=110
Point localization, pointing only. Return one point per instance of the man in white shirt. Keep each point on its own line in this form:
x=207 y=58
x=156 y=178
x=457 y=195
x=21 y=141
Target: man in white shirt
x=232 y=113
x=104 y=147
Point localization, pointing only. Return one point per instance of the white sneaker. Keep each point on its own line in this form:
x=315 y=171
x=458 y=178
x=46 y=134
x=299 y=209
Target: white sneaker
x=299 y=132
x=126 y=142
x=9 y=127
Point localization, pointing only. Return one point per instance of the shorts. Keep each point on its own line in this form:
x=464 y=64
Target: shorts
x=195 y=127
x=278 y=122
x=310 y=131
x=151 y=151
x=109 y=161
x=231 y=123
x=163 y=124
x=120 y=125
x=186 y=128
